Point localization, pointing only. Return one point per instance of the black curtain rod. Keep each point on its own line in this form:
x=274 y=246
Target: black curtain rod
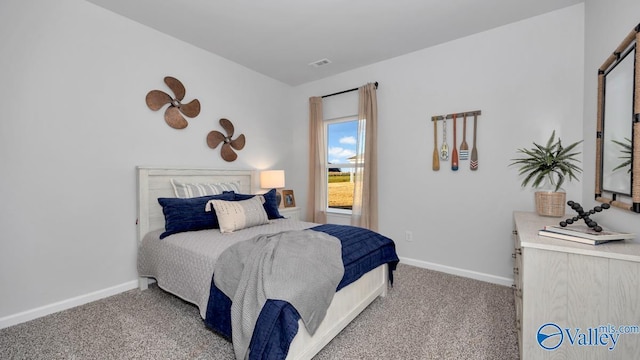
x=346 y=91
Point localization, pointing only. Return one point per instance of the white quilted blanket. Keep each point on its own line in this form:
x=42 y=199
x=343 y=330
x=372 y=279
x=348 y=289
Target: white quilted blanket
x=183 y=263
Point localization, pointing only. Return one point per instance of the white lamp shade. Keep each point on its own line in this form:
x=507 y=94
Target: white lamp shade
x=272 y=179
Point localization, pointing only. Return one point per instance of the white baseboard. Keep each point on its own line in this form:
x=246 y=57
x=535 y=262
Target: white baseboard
x=65 y=304
x=104 y=293
x=460 y=272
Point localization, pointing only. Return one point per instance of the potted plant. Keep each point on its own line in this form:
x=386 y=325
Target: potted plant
x=546 y=168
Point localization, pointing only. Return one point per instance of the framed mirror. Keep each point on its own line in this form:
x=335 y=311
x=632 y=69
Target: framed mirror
x=618 y=128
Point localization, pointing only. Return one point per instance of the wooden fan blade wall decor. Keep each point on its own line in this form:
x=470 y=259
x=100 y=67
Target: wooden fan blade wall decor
x=176 y=86
x=215 y=138
x=227 y=126
x=156 y=99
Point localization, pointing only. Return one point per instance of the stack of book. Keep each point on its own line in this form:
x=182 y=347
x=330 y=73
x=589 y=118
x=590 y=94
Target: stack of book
x=583 y=234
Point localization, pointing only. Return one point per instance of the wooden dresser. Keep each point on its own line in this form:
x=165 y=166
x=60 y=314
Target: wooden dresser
x=572 y=298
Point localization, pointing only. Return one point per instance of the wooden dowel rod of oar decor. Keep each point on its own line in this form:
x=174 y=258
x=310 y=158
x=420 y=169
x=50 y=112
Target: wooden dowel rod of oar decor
x=458 y=115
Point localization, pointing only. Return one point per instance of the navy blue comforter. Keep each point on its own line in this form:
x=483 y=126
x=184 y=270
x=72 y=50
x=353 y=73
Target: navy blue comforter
x=362 y=250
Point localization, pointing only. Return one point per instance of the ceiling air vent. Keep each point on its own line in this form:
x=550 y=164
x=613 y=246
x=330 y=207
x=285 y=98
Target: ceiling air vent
x=321 y=62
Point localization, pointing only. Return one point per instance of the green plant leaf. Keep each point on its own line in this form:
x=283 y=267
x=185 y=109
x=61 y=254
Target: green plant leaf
x=626 y=154
x=552 y=162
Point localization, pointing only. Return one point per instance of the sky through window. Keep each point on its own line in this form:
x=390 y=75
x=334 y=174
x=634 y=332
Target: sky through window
x=341 y=141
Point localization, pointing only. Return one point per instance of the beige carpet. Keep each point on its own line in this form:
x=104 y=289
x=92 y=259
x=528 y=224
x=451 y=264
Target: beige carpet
x=426 y=315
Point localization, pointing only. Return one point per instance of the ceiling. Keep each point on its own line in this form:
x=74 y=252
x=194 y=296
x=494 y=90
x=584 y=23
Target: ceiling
x=280 y=38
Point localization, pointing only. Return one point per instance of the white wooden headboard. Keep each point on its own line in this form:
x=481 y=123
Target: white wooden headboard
x=155 y=182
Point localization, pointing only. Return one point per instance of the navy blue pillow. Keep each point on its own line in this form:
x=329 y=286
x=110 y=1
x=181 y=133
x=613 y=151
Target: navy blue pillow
x=182 y=215
x=270 y=204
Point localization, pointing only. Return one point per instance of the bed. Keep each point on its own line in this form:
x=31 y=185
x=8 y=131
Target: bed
x=182 y=263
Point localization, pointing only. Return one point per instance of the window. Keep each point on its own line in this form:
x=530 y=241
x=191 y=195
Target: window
x=342 y=141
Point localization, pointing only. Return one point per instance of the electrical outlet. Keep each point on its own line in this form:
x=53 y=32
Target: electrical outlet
x=408 y=235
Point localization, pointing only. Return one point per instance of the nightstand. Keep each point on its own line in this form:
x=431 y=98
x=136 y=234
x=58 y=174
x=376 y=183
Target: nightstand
x=290 y=213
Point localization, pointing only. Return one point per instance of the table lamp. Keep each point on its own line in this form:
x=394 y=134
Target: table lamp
x=273 y=179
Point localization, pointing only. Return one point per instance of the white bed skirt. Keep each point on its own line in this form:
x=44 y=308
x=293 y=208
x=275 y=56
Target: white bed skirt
x=346 y=305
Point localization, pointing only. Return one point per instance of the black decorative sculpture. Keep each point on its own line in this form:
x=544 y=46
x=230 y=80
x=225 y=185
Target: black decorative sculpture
x=584 y=215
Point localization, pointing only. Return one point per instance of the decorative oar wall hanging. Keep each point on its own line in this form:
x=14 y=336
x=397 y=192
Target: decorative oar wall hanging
x=156 y=99
x=436 y=155
x=464 y=148
x=216 y=138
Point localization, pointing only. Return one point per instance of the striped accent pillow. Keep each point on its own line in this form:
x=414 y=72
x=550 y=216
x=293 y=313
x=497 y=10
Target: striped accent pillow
x=184 y=191
x=238 y=215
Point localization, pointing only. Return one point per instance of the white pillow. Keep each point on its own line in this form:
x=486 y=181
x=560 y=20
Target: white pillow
x=184 y=191
x=238 y=215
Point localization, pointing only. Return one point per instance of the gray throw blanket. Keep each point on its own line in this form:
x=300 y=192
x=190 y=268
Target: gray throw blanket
x=300 y=267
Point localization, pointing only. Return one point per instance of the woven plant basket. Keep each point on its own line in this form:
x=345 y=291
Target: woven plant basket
x=550 y=203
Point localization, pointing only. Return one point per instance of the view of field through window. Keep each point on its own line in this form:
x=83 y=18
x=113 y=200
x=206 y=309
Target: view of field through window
x=340 y=190
x=341 y=151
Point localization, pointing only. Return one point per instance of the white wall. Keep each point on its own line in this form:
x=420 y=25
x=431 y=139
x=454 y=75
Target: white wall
x=74 y=126
x=607 y=23
x=526 y=77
